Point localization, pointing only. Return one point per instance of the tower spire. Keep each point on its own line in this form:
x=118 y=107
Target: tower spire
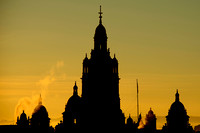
x=177 y=95
x=100 y=21
x=75 y=89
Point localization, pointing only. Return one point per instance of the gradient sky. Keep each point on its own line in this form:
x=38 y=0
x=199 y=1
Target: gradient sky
x=43 y=44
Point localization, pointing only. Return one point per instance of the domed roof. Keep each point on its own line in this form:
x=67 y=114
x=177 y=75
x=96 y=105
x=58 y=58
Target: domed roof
x=100 y=32
x=150 y=115
x=40 y=109
x=177 y=108
x=74 y=101
x=177 y=105
x=23 y=115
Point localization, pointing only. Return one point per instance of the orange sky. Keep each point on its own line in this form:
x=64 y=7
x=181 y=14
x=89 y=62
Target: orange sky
x=43 y=43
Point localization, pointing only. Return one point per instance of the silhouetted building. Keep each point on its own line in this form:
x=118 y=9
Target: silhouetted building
x=40 y=118
x=99 y=105
x=177 y=118
x=150 y=124
x=71 y=116
x=100 y=85
x=23 y=121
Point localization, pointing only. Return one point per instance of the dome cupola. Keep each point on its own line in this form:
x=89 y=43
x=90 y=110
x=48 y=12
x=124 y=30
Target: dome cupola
x=177 y=107
x=100 y=32
x=74 y=101
x=177 y=118
x=40 y=117
x=100 y=36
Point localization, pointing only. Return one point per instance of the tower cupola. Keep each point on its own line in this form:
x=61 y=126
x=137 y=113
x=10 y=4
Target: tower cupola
x=100 y=36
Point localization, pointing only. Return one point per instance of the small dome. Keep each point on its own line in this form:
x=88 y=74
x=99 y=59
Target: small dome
x=150 y=115
x=74 y=101
x=23 y=121
x=23 y=115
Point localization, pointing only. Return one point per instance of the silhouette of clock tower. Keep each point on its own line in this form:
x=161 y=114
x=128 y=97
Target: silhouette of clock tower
x=100 y=85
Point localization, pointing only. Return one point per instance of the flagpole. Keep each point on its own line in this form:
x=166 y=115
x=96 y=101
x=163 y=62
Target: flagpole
x=137 y=99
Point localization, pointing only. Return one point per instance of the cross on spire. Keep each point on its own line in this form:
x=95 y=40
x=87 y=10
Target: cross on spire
x=100 y=21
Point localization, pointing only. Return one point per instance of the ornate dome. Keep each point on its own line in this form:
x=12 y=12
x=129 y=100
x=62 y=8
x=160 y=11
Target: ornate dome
x=177 y=108
x=40 y=116
x=74 y=101
x=177 y=119
x=40 y=110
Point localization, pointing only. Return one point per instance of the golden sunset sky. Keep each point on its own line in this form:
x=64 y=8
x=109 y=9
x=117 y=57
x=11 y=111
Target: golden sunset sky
x=43 y=44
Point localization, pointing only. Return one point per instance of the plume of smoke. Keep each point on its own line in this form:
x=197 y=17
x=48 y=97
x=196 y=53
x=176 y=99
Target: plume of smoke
x=29 y=103
x=48 y=79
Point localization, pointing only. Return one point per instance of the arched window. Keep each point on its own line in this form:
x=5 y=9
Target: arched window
x=85 y=69
x=114 y=69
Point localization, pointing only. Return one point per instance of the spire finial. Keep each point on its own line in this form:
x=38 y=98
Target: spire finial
x=75 y=89
x=100 y=21
x=177 y=95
